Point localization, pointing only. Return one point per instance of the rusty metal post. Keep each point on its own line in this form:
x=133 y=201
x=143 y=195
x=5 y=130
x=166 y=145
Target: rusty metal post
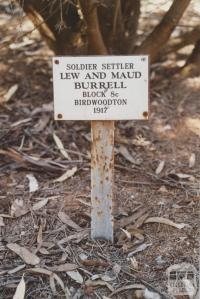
x=102 y=174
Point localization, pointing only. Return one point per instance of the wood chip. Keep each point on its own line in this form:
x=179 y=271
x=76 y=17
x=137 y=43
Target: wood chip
x=27 y=256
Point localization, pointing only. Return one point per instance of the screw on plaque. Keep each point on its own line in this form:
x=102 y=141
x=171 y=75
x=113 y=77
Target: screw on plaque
x=143 y=59
x=59 y=116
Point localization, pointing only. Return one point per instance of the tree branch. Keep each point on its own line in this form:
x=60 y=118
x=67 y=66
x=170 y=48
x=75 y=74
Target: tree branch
x=160 y=35
x=187 y=38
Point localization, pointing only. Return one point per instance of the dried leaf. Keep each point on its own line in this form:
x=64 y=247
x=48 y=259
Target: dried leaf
x=6 y=216
x=128 y=287
x=163 y=189
x=165 y=221
x=134 y=263
x=21 y=121
x=83 y=256
x=33 y=183
x=68 y=174
x=44 y=251
x=52 y=284
x=131 y=219
x=127 y=234
x=19 y=208
x=20 y=291
x=98 y=282
x=77 y=237
x=39 y=236
x=12 y=90
x=42 y=123
x=116 y=269
x=95 y=263
x=52 y=277
x=185 y=176
x=75 y=275
x=107 y=278
x=139 y=249
x=192 y=160
x=136 y=232
x=151 y=295
x=40 y=204
x=60 y=146
x=160 y=167
x=27 y=256
x=125 y=153
x=17 y=269
x=141 y=220
x=64 y=267
x=40 y=271
x=67 y=220
x=59 y=281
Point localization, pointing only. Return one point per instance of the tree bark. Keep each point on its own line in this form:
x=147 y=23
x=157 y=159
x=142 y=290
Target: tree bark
x=157 y=39
x=95 y=40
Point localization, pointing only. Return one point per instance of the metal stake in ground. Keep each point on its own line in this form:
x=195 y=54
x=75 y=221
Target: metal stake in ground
x=102 y=173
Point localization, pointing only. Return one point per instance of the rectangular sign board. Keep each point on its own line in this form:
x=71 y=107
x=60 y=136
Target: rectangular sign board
x=101 y=87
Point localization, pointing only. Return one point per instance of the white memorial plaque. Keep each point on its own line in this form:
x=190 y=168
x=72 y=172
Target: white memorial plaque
x=101 y=87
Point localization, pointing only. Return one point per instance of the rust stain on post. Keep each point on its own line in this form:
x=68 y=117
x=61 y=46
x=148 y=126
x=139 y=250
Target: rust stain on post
x=102 y=168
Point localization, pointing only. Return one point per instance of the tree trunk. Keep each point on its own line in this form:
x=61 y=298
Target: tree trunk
x=153 y=44
x=95 y=40
x=131 y=15
x=59 y=24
